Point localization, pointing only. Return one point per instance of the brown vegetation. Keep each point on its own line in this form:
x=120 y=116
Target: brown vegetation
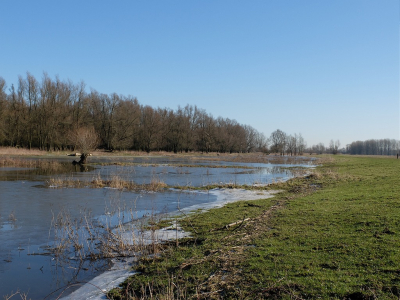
x=115 y=182
x=42 y=114
x=21 y=151
x=45 y=164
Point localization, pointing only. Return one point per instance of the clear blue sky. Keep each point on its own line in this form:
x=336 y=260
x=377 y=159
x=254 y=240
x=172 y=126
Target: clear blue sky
x=325 y=69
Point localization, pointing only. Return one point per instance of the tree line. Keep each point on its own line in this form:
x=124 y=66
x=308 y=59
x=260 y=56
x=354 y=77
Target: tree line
x=368 y=147
x=333 y=148
x=286 y=144
x=50 y=115
x=44 y=114
x=374 y=147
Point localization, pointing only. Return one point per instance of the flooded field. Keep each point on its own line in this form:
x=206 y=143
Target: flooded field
x=47 y=238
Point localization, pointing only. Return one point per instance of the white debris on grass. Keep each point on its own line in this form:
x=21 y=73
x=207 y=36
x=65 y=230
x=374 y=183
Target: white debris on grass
x=225 y=196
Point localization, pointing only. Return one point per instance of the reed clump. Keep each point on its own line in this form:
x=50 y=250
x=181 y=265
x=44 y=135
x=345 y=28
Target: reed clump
x=155 y=185
x=83 y=238
x=44 y=164
x=114 y=182
x=117 y=182
x=256 y=157
x=21 y=151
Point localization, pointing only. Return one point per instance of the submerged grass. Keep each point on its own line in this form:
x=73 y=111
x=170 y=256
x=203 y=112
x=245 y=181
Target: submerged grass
x=334 y=234
x=21 y=151
x=171 y=165
x=114 y=182
x=44 y=164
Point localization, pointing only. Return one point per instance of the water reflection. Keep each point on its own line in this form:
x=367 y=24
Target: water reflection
x=37 y=174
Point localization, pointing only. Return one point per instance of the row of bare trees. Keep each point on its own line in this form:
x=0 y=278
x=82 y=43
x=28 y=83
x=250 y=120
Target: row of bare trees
x=374 y=147
x=333 y=148
x=368 y=147
x=283 y=143
x=44 y=114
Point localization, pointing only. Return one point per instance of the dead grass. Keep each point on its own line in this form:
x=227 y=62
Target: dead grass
x=231 y=255
x=256 y=157
x=156 y=185
x=49 y=165
x=139 y=153
x=21 y=151
x=114 y=182
x=17 y=295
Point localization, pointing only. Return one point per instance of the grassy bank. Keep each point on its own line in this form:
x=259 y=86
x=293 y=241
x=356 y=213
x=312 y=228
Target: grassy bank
x=332 y=235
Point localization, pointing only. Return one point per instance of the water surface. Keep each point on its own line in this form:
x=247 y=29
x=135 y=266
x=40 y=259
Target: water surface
x=29 y=210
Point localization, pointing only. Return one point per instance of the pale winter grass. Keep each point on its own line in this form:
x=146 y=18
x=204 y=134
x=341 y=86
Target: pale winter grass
x=82 y=239
x=17 y=295
x=133 y=153
x=21 y=151
x=50 y=165
x=114 y=182
x=256 y=157
x=87 y=239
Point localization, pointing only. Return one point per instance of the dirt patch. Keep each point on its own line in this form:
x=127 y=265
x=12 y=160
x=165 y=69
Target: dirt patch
x=229 y=275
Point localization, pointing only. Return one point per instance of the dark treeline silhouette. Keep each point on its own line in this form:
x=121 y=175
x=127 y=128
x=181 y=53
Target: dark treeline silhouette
x=374 y=147
x=43 y=114
x=368 y=147
x=320 y=148
x=283 y=143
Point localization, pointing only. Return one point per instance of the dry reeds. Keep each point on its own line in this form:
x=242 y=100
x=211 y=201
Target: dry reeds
x=114 y=182
x=256 y=157
x=60 y=182
x=48 y=165
x=155 y=185
x=87 y=239
x=20 y=295
x=21 y=151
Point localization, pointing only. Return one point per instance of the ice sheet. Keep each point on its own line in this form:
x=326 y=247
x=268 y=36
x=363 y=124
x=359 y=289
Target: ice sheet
x=96 y=288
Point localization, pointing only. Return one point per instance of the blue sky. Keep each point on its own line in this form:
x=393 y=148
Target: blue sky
x=325 y=69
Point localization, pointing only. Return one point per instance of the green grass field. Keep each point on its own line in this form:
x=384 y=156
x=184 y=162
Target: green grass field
x=332 y=235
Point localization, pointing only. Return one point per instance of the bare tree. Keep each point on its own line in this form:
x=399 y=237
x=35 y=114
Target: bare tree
x=3 y=110
x=300 y=144
x=51 y=114
x=126 y=123
x=261 y=143
x=334 y=146
x=85 y=139
x=32 y=96
x=318 y=149
x=291 y=144
x=205 y=130
x=374 y=147
x=278 y=141
x=149 y=128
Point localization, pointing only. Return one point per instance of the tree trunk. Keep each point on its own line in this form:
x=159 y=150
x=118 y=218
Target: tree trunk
x=82 y=160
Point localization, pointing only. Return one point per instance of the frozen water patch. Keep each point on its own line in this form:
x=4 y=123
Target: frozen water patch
x=157 y=236
x=96 y=288
x=225 y=196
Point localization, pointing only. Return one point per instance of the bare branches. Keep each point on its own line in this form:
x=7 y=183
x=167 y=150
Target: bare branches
x=85 y=139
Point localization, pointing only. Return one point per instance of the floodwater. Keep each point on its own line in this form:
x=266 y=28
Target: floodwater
x=30 y=211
